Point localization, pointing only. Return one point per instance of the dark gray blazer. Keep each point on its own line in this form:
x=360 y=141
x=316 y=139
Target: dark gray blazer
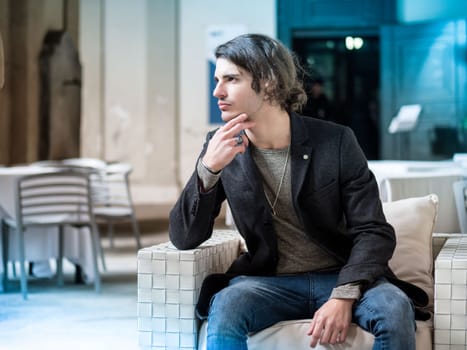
x=334 y=194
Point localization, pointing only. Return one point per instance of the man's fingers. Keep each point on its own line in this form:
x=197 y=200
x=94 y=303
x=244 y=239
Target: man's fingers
x=326 y=336
x=315 y=333
x=237 y=129
x=322 y=333
x=238 y=119
x=333 y=334
x=343 y=335
x=335 y=337
x=236 y=125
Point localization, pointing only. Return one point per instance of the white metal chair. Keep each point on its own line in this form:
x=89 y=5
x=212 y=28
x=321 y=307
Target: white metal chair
x=94 y=167
x=111 y=193
x=93 y=163
x=113 y=201
x=58 y=198
x=460 y=196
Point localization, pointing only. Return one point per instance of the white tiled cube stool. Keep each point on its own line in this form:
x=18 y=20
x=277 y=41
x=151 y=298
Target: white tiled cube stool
x=450 y=320
x=169 y=282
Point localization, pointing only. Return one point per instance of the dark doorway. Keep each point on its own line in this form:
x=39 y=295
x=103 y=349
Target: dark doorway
x=349 y=68
x=60 y=97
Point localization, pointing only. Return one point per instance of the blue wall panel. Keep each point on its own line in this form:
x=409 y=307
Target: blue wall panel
x=428 y=10
x=421 y=65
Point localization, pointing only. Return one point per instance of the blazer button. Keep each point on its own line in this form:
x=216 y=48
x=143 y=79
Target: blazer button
x=305 y=156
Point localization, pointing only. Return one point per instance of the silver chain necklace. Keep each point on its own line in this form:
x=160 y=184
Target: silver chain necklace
x=273 y=205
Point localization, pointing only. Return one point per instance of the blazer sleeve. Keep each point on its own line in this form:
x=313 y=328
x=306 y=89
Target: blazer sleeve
x=372 y=237
x=191 y=220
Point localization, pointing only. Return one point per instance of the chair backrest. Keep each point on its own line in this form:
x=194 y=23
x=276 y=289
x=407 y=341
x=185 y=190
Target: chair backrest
x=402 y=187
x=460 y=196
x=54 y=197
x=111 y=188
x=93 y=163
x=109 y=183
x=48 y=163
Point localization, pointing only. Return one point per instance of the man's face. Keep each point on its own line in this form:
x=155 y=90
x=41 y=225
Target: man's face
x=234 y=92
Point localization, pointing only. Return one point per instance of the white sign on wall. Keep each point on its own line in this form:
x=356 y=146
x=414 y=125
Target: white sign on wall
x=406 y=118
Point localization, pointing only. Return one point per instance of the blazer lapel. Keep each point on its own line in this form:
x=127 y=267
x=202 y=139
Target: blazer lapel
x=301 y=154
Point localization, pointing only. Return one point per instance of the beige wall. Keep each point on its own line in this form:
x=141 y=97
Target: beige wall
x=162 y=125
x=92 y=93
x=23 y=25
x=128 y=49
x=4 y=91
x=145 y=90
x=144 y=83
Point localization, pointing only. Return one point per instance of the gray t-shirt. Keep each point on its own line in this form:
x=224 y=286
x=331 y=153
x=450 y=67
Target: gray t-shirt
x=297 y=253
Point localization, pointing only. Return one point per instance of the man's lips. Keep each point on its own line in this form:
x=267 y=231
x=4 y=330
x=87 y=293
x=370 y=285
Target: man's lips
x=223 y=105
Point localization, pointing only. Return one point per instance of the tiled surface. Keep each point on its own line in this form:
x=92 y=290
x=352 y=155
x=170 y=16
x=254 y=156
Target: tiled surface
x=169 y=281
x=450 y=319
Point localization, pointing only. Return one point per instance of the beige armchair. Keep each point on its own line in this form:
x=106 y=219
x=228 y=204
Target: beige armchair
x=169 y=281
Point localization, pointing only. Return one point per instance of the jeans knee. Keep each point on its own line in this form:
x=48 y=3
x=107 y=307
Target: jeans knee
x=389 y=315
x=228 y=305
x=388 y=307
x=402 y=312
x=224 y=301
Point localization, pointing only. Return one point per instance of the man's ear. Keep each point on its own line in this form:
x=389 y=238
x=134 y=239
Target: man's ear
x=265 y=90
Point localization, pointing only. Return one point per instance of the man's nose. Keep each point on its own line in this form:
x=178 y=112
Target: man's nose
x=218 y=91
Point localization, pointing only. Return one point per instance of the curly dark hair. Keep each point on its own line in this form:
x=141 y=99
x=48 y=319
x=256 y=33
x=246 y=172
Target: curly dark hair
x=270 y=62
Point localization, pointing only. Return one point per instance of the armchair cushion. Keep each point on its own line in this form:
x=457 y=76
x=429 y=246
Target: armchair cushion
x=413 y=220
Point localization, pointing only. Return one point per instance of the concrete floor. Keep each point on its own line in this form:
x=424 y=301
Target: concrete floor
x=74 y=316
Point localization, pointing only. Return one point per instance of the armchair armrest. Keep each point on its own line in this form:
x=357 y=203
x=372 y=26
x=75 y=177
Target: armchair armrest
x=169 y=282
x=450 y=326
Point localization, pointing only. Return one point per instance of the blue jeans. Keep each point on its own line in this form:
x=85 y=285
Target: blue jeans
x=250 y=304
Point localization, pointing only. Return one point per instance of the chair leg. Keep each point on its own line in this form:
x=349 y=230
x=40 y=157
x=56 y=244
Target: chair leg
x=13 y=269
x=101 y=251
x=95 y=242
x=60 y=256
x=136 y=232
x=110 y=233
x=4 y=232
x=22 y=263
